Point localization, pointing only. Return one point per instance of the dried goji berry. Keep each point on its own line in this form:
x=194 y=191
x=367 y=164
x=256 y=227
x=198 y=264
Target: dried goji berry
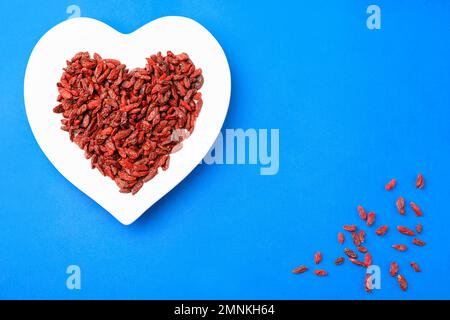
x=350 y=253
x=418 y=242
x=317 y=257
x=350 y=228
x=419 y=228
x=416 y=209
x=357 y=262
x=405 y=231
x=400 y=203
x=320 y=273
x=390 y=185
x=341 y=238
x=420 y=182
x=381 y=231
x=400 y=247
x=362 y=249
x=362 y=236
x=368 y=259
x=368 y=283
x=370 y=218
x=415 y=266
x=362 y=213
x=300 y=269
x=393 y=270
x=402 y=282
x=355 y=238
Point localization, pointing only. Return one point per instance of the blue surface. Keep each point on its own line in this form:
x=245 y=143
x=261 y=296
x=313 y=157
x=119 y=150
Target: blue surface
x=354 y=107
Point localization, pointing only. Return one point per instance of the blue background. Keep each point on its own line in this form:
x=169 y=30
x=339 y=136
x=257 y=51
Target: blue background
x=355 y=108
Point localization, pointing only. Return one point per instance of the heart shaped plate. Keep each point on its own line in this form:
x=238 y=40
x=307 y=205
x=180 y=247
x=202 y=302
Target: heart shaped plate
x=177 y=34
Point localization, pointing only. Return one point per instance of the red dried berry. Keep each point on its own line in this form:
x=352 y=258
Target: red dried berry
x=393 y=270
x=419 y=228
x=339 y=261
x=390 y=185
x=370 y=218
x=321 y=273
x=418 y=242
x=402 y=282
x=362 y=236
x=381 y=231
x=400 y=247
x=368 y=283
x=349 y=227
x=362 y=213
x=368 y=259
x=317 y=257
x=416 y=209
x=357 y=262
x=355 y=238
x=350 y=253
x=341 y=238
x=415 y=266
x=400 y=203
x=362 y=249
x=300 y=269
x=420 y=182
x=405 y=231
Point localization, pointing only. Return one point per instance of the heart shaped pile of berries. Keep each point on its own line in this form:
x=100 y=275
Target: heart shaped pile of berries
x=129 y=122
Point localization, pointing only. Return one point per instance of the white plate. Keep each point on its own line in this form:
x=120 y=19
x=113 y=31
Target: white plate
x=177 y=34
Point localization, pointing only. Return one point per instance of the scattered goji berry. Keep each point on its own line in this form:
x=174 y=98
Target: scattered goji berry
x=300 y=269
x=362 y=213
x=362 y=249
x=350 y=253
x=393 y=270
x=418 y=242
x=321 y=273
x=381 y=231
x=400 y=247
x=341 y=238
x=400 y=203
x=405 y=231
x=420 y=182
x=416 y=209
x=355 y=238
x=370 y=218
x=362 y=236
x=317 y=257
x=415 y=266
x=368 y=283
x=349 y=228
x=419 y=228
x=357 y=262
x=402 y=282
x=368 y=259
x=390 y=185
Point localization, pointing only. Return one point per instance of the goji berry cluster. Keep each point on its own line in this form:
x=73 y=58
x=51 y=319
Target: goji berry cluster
x=359 y=237
x=128 y=122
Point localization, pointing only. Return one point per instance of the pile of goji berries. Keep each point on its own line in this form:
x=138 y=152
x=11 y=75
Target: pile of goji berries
x=359 y=237
x=128 y=122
